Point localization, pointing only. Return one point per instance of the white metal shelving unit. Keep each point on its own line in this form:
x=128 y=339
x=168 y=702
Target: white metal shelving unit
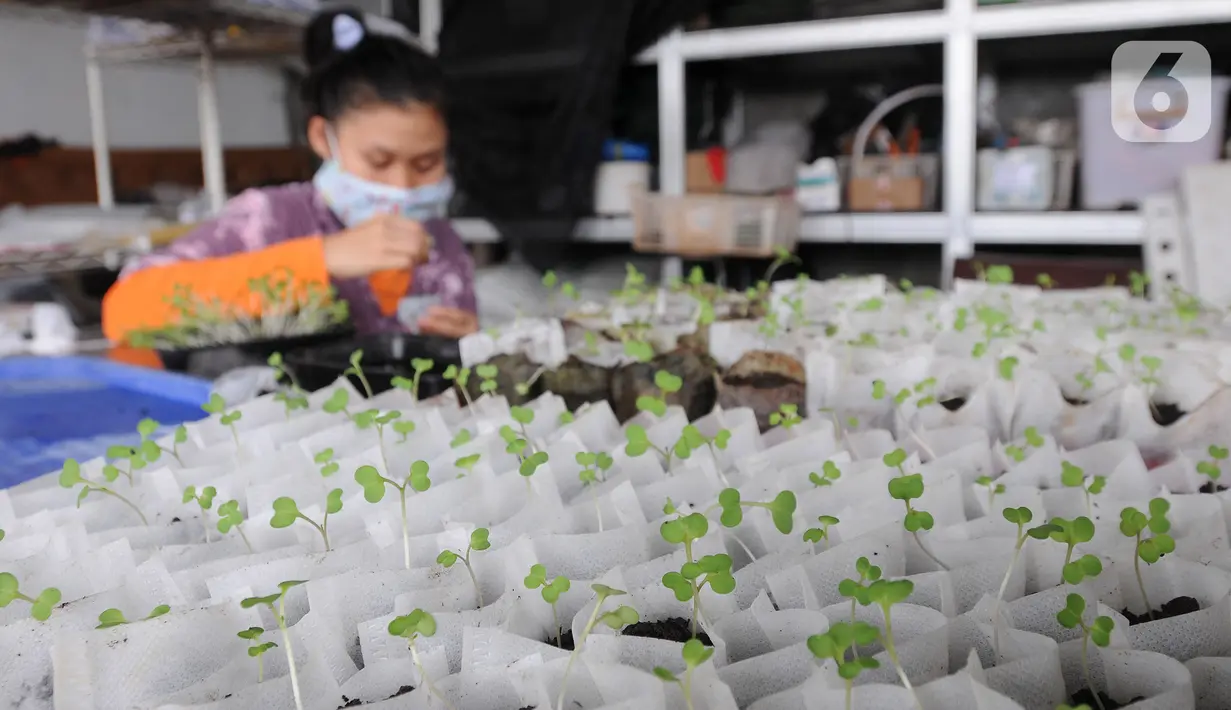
x=959 y=27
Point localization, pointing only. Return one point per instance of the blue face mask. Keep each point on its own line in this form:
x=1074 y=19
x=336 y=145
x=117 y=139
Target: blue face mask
x=355 y=200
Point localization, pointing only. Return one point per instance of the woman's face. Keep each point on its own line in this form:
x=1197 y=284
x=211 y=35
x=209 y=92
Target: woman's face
x=397 y=145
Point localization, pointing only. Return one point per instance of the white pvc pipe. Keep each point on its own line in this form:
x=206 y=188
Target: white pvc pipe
x=98 y=133
x=672 y=145
x=211 y=130
x=960 y=125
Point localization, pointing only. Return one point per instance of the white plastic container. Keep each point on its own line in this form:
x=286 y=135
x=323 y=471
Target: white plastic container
x=1115 y=172
x=817 y=188
x=615 y=183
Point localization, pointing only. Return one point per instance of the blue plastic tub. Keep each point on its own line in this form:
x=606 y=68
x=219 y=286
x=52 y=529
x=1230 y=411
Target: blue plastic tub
x=56 y=408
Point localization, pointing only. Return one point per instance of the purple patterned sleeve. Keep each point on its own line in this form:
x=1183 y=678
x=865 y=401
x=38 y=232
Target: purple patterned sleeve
x=245 y=224
x=449 y=273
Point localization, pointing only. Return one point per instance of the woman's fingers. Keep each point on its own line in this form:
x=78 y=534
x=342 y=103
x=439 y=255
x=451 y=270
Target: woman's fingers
x=451 y=322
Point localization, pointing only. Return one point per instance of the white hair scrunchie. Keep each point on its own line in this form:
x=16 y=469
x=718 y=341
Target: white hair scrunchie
x=347 y=32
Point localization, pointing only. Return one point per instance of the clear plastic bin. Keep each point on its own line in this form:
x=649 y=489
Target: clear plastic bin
x=1116 y=172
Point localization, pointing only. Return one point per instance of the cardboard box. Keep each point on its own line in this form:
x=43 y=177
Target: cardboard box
x=705 y=171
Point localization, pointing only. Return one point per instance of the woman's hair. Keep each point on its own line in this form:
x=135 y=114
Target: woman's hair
x=351 y=66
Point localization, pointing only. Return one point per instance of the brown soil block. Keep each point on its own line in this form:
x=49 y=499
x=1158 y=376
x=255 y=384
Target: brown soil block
x=578 y=382
x=566 y=643
x=1166 y=414
x=1085 y=697
x=676 y=629
x=1176 y=607
x=356 y=702
x=513 y=370
x=637 y=379
x=1211 y=487
x=763 y=381
x=1075 y=402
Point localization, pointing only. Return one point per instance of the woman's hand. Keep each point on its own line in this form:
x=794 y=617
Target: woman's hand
x=448 y=322
x=383 y=242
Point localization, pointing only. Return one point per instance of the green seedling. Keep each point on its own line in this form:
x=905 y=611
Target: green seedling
x=993 y=489
x=413 y=626
x=551 y=591
x=1045 y=281
x=857 y=589
x=374 y=486
x=325 y=459
x=403 y=428
x=461 y=438
x=356 y=369
x=638 y=350
x=117 y=454
x=419 y=367
x=281 y=371
x=907 y=487
x=257 y=650
x=639 y=443
x=230 y=517
x=1072 y=533
x=1083 y=706
x=40 y=606
x=460 y=377
x=1034 y=440
x=880 y=392
x=478 y=542
x=374 y=418
x=691 y=439
x=1073 y=476
x=834 y=644
x=695 y=653
x=815 y=535
x=286 y=512
x=115 y=617
x=594 y=467
x=218 y=406
x=70 y=476
x=786 y=417
x=616 y=619
x=523 y=388
x=338 y=403
x=1006 y=367
x=205 y=500
x=291 y=401
x=1137 y=283
x=487 y=378
x=566 y=417
x=781 y=509
x=885 y=593
x=667 y=384
x=1135 y=524
x=686 y=584
x=467 y=464
x=277 y=606
x=1021 y=517
x=150 y=450
x=1070 y=617
x=1212 y=469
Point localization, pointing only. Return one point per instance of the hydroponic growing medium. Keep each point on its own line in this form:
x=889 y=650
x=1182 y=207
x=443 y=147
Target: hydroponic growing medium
x=813 y=495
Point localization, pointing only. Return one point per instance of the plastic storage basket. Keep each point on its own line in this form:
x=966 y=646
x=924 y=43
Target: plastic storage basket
x=75 y=407
x=1116 y=172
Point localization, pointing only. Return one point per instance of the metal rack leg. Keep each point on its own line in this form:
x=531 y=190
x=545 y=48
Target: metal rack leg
x=672 y=146
x=431 y=15
x=98 y=133
x=211 y=130
x=961 y=79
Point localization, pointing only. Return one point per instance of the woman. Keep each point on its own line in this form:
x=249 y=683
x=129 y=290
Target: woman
x=368 y=223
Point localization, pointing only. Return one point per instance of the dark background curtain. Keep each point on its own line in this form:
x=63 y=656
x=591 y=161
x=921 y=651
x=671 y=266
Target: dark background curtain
x=533 y=86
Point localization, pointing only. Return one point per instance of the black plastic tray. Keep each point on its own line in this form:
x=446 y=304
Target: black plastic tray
x=385 y=356
x=211 y=361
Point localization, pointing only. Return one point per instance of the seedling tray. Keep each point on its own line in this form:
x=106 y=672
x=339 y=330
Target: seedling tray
x=385 y=356
x=56 y=408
